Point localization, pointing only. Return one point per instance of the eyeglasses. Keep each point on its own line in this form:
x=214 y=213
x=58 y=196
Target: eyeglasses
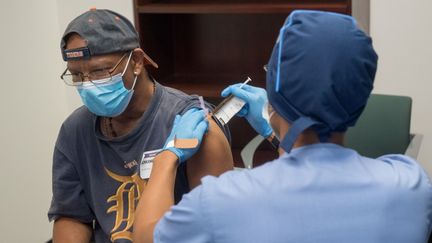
x=77 y=79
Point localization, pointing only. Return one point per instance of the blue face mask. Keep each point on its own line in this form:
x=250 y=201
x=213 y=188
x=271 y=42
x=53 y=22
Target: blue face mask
x=107 y=97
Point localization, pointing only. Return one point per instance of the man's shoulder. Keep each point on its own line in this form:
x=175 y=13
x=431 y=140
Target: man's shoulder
x=175 y=95
x=78 y=116
x=402 y=164
x=406 y=170
x=406 y=188
x=177 y=101
x=79 y=120
x=398 y=159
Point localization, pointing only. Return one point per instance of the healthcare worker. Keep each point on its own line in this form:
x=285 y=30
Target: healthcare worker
x=320 y=75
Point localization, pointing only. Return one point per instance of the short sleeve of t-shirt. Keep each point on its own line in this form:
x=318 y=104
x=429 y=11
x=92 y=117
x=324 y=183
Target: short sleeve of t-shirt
x=185 y=222
x=194 y=102
x=68 y=195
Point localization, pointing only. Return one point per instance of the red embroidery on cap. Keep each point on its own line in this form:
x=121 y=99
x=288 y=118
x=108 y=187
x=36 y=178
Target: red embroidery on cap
x=74 y=54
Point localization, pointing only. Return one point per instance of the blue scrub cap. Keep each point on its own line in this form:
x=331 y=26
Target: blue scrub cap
x=320 y=73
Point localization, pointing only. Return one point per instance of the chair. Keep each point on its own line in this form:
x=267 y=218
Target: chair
x=384 y=128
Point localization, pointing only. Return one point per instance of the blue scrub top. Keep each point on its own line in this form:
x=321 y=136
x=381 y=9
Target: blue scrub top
x=317 y=193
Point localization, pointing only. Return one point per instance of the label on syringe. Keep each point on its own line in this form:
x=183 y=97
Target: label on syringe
x=229 y=109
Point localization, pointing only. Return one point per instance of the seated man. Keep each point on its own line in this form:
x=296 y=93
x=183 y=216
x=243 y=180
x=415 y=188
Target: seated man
x=320 y=75
x=104 y=151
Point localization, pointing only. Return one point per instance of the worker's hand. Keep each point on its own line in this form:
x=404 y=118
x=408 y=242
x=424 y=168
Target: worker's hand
x=189 y=128
x=256 y=99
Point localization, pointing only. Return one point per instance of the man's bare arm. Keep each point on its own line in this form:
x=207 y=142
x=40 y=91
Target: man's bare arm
x=213 y=158
x=157 y=198
x=68 y=230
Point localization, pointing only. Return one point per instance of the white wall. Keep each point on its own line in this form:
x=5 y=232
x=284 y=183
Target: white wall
x=32 y=107
x=33 y=103
x=402 y=35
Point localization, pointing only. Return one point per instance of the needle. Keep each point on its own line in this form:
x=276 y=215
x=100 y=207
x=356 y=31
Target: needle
x=245 y=82
x=202 y=104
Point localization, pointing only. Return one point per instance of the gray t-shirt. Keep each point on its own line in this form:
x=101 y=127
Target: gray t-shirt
x=99 y=180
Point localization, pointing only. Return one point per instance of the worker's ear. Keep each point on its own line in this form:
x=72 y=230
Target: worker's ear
x=276 y=121
x=139 y=60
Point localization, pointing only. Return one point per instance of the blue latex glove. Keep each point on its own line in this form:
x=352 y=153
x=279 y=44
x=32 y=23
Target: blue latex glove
x=192 y=124
x=256 y=99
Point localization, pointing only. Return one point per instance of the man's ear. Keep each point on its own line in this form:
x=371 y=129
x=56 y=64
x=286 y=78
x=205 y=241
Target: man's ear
x=140 y=59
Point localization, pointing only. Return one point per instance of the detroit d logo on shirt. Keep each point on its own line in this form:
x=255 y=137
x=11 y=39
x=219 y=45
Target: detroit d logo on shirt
x=127 y=196
x=125 y=199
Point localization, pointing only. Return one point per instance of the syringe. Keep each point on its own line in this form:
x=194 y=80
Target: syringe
x=229 y=106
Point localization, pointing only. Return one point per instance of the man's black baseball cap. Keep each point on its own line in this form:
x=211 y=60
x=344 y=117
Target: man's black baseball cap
x=104 y=31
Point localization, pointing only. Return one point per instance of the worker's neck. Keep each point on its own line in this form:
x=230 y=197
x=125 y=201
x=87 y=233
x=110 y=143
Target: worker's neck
x=143 y=93
x=337 y=138
x=309 y=136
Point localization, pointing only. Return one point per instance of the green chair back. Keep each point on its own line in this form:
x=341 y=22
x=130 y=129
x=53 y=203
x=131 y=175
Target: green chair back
x=383 y=127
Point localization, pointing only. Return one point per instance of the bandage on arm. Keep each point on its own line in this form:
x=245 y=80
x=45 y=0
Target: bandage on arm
x=184 y=143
